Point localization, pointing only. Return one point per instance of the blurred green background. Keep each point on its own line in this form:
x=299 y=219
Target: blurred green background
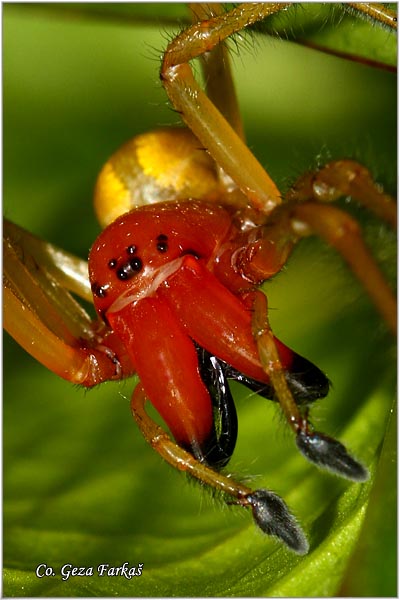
x=80 y=484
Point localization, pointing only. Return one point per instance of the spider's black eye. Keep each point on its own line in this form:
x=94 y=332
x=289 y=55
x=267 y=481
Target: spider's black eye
x=131 y=249
x=136 y=264
x=162 y=243
x=130 y=269
x=112 y=263
x=98 y=290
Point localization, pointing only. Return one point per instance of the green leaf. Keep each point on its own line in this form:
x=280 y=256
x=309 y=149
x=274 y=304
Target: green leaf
x=81 y=486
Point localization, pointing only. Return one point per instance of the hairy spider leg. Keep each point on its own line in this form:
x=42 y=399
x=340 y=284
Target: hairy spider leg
x=376 y=12
x=342 y=232
x=317 y=447
x=217 y=73
x=200 y=113
x=348 y=178
x=46 y=320
x=270 y=512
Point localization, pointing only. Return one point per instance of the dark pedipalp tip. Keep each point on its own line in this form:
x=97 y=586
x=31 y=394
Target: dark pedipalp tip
x=328 y=453
x=274 y=518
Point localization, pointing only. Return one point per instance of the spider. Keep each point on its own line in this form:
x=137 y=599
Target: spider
x=147 y=264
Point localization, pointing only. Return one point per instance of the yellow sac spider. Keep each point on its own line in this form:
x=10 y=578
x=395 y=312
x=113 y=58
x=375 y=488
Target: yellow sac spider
x=178 y=276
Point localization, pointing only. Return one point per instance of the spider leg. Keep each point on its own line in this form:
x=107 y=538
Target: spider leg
x=375 y=11
x=342 y=232
x=41 y=315
x=217 y=73
x=345 y=178
x=199 y=112
x=270 y=512
x=317 y=447
x=220 y=90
